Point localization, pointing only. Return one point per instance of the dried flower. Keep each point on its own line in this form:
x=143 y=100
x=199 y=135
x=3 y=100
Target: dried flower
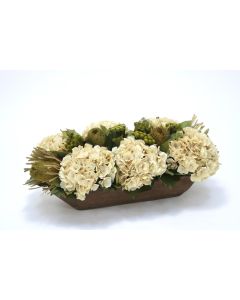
x=195 y=154
x=160 y=122
x=138 y=163
x=53 y=142
x=85 y=169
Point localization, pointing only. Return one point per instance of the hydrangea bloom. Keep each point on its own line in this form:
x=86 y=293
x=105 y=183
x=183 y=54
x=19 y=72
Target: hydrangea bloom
x=137 y=163
x=53 y=142
x=86 y=168
x=195 y=154
x=158 y=122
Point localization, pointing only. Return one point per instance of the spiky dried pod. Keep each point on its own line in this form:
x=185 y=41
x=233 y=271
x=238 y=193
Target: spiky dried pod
x=44 y=169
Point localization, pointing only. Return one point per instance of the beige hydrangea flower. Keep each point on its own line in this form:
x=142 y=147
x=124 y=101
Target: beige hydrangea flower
x=159 y=122
x=86 y=168
x=107 y=124
x=137 y=163
x=53 y=142
x=195 y=153
x=171 y=164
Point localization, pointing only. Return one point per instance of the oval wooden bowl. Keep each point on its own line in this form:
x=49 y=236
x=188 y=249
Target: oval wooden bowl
x=104 y=198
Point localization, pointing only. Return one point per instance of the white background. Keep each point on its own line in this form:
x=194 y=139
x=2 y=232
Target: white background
x=117 y=57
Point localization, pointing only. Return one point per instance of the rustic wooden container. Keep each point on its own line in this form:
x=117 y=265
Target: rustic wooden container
x=104 y=198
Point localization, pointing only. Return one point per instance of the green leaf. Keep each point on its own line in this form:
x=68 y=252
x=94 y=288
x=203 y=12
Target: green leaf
x=60 y=154
x=169 y=180
x=185 y=124
x=165 y=147
x=176 y=135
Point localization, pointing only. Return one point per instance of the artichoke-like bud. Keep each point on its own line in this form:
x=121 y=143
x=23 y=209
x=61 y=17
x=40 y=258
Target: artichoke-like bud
x=73 y=139
x=96 y=136
x=147 y=138
x=142 y=125
x=160 y=134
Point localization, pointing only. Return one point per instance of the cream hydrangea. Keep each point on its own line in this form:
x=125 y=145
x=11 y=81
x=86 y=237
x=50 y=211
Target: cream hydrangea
x=86 y=168
x=137 y=163
x=107 y=124
x=195 y=153
x=53 y=142
x=159 y=122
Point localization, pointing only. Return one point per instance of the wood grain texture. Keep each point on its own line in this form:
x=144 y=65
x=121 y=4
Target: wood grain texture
x=104 y=198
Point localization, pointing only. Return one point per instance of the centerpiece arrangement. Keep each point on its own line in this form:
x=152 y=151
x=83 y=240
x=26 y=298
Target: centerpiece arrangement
x=109 y=164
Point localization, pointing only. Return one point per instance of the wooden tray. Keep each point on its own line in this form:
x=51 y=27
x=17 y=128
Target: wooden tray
x=104 y=198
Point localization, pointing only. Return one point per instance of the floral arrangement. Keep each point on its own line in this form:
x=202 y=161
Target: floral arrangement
x=107 y=155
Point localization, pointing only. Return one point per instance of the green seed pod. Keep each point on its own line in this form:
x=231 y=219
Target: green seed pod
x=147 y=138
x=117 y=130
x=143 y=125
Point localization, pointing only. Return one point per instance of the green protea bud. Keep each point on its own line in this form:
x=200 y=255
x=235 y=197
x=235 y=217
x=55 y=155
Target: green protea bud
x=73 y=139
x=160 y=134
x=143 y=125
x=96 y=136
